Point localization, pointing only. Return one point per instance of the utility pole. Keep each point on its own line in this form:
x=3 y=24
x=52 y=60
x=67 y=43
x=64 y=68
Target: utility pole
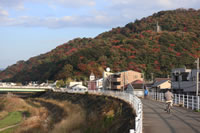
x=152 y=77
x=197 y=89
x=178 y=74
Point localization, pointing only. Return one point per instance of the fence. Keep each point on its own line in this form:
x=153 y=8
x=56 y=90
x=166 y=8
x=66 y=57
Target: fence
x=188 y=101
x=134 y=101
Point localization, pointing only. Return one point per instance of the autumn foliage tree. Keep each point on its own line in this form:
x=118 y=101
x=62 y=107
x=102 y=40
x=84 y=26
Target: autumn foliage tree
x=136 y=46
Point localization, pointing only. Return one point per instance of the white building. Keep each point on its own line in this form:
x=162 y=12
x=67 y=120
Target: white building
x=75 y=83
x=162 y=84
x=184 y=80
x=92 y=77
x=79 y=88
x=99 y=83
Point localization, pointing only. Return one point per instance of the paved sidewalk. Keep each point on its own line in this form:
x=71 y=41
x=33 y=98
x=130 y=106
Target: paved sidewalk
x=181 y=120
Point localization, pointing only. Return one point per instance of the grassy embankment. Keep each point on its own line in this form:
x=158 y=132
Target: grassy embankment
x=14 y=109
x=97 y=114
x=69 y=113
x=11 y=119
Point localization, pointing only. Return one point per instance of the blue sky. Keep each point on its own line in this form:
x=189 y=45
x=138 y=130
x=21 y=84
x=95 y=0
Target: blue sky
x=32 y=27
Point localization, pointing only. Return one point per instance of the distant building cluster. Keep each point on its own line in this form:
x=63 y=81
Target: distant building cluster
x=182 y=81
x=120 y=81
x=29 y=85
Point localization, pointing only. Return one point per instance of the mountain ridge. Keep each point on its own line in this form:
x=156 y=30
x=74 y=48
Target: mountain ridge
x=136 y=46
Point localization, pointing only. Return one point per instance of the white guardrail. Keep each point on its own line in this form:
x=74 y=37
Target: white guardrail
x=188 y=101
x=26 y=87
x=134 y=101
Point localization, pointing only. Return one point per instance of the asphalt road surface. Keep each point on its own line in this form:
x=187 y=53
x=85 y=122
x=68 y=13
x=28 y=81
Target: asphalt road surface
x=181 y=120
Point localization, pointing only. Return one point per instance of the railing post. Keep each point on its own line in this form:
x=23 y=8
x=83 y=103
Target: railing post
x=197 y=102
x=183 y=100
x=187 y=102
x=153 y=94
x=179 y=98
x=159 y=96
x=175 y=99
x=163 y=96
x=192 y=102
x=132 y=131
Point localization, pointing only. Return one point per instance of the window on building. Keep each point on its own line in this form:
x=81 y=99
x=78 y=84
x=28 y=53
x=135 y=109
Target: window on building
x=116 y=83
x=116 y=76
x=175 y=77
x=184 y=76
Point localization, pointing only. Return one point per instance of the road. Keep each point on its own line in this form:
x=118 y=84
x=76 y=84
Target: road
x=181 y=120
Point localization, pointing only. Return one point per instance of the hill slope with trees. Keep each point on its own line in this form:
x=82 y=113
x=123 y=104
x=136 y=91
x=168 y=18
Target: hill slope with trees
x=136 y=46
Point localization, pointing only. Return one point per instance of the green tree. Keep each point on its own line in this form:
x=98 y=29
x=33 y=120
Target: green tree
x=60 y=83
x=67 y=71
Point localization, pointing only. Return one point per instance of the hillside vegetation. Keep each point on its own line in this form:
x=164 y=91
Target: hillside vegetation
x=137 y=46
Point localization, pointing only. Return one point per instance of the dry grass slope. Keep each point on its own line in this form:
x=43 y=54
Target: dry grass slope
x=70 y=113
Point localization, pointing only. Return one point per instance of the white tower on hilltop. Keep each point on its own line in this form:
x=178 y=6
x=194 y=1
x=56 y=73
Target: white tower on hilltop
x=158 y=29
x=92 y=77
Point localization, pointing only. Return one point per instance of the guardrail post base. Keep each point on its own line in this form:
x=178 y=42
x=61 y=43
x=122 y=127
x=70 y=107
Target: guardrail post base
x=132 y=131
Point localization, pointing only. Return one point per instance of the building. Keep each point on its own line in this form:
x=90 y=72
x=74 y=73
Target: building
x=75 y=83
x=92 y=85
x=92 y=77
x=161 y=84
x=136 y=87
x=118 y=81
x=79 y=88
x=92 y=82
x=184 y=80
x=107 y=75
x=99 y=83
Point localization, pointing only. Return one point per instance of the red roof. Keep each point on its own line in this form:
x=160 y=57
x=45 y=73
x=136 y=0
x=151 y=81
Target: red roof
x=137 y=82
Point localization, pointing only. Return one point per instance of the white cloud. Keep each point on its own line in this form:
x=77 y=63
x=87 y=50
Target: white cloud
x=15 y=4
x=176 y=3
x=165 y=3
x=3 y=12
x=155 y=3
x=122 y=2
x=20 y=4
x=114 y=13
x=62 y=22
x=75 y=3
x=136 y=9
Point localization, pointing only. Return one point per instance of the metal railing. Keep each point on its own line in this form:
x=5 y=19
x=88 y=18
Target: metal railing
x=134 y=101
x=188 y=101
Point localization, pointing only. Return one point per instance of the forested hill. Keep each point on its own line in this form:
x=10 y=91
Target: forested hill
x=137 y=46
